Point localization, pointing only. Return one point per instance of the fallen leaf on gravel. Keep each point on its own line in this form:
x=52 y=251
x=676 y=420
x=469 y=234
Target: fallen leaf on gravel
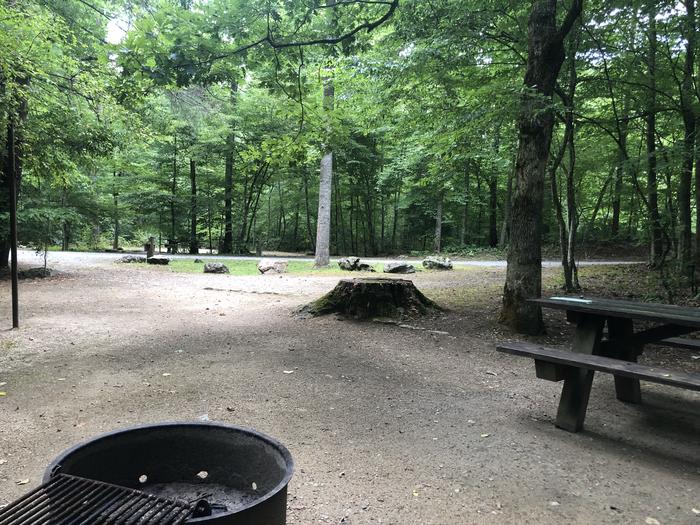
x=696 y=511
x=288 y=371
x=61 y=379
x=22 y=481
x=167 y=374
x=485 y=435
x=695 y=356
x=3 y=383
x=491 y=373
x=3 y=461
x=3 y=394
x=652 y=521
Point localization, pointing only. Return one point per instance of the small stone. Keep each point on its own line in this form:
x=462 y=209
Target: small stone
x=399 y=267
x=651 y=521
x=159 y=260
x=437 y=263
x=198 y=261
x=127 y=259
x=271 y=266
x=215 y=268
x=349 y=263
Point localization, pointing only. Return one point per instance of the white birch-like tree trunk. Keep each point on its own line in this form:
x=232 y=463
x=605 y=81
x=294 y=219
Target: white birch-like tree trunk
x=325 y=189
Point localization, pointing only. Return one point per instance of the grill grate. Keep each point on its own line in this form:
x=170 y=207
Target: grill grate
x=71 y=500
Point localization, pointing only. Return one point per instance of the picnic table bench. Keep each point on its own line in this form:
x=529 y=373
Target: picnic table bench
x=616 y=353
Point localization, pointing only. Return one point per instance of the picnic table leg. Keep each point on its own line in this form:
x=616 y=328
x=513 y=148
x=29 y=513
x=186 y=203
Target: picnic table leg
x=626 y=388
x=577 y=384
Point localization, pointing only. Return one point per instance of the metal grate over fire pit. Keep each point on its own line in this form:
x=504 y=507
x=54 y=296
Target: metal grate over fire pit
x=70 y=499
x=229 y=475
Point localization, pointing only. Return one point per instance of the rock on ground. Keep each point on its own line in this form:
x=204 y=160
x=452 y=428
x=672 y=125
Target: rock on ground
x=132 y=259
x=353 y=264
x=437 y=263
x=215 y=268
x=198 y=261
x=349 y=263
x=158 y=260
x=272 y=266
x=400 y=267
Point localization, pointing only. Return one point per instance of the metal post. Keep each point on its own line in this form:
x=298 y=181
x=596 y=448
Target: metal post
x=12 y=174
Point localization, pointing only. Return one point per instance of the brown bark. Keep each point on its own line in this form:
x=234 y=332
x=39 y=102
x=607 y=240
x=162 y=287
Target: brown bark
x=655 y=246
x=437 y=239
x=546 y=54
x=227 y=245
x=685 y=249
x=194 y=242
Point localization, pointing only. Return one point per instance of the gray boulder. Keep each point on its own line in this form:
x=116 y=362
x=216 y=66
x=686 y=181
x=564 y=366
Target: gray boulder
x=399 y=267
x=272 y=266
x=349 y=264
x=215 y=268
x=158 y=260
x=437 y=263
x=132 y=259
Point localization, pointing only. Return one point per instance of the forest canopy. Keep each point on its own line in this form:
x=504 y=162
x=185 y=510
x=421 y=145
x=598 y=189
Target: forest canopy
x=353 y=126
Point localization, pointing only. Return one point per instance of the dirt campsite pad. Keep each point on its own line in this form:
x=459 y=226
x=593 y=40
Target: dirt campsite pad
x=421 y=424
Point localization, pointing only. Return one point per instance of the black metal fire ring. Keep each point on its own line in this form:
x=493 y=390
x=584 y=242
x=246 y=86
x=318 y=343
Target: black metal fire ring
x=55 y=466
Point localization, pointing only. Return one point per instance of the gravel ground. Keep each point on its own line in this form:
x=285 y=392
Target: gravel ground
x=386 y=424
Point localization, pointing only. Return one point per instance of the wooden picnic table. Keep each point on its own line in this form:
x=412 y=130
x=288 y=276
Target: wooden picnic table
x=615 y=352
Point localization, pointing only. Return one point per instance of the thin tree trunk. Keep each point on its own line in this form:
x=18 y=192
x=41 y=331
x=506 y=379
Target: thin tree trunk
x=620 y=170
x=652 y=187
x=194 y=243
x=325 y=189
x=115 y=198
x=546 y=54
x=173 y=197
x=437 y=239
x=309 y=230
x=227 y=245
x=465 y=211
x=493 y=211
x=685 y=249
x=394 y=227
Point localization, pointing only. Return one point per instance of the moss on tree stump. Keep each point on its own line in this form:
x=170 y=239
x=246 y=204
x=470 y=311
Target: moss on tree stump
x=367 y=298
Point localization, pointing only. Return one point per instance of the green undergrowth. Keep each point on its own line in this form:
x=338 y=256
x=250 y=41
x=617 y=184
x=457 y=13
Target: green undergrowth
x=635 y=282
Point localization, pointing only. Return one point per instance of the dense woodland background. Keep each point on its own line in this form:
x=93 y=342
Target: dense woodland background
x=206 y=124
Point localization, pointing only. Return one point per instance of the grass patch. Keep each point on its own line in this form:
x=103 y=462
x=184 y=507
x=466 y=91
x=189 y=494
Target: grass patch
x=250 y=267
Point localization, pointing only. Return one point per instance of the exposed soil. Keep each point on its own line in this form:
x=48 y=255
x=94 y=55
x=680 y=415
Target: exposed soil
x=386 y=424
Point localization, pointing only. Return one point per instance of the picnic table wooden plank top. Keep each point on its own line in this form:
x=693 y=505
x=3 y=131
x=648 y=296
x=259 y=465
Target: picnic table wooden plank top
x=662 y=313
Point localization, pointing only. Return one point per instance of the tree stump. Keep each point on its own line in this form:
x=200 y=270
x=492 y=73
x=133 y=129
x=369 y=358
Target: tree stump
x=366 y=298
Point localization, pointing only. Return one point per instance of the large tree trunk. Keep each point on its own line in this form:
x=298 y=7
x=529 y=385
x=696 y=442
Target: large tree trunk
x=685 y=249
x=325 y=190
x=655 y=245
x=546 y=55
x=194 y=243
